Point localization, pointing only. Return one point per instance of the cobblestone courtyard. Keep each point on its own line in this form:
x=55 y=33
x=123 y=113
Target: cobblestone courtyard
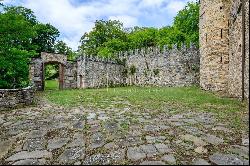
x=52 y=134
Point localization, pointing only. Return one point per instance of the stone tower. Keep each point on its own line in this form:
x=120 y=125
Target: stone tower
x=214 y=44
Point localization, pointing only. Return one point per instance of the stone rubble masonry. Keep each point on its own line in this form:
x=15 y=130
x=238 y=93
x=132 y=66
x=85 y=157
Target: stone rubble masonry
x=235 y=49
x=214 y=44
x=175 y=67
x=97 y=72
x=11 y=98
x=221 y=46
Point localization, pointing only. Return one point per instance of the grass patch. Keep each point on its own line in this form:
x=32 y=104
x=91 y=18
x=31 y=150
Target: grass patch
x=51 y=85
x=152 y=98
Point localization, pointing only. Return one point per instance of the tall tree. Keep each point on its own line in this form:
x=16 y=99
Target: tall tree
x=104 y=31
x=142 y=37
x=15 y=35
x=46 y=34
x=28 y=14
x=46 y=37
x=21 y=37
x=169 y=36
x=187 y=22
x=62 y=48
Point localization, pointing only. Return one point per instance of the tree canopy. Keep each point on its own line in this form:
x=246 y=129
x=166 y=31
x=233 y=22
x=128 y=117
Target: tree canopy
x=106 y=37
x=16 y=33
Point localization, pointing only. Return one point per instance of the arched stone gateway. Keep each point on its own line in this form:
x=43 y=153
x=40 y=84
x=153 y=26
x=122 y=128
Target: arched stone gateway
x=37 y=69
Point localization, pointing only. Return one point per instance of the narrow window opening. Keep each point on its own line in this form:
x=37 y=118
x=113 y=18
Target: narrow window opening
x=206 y=37
x=220 y=59
x=239 y=48
x=221 y=33
x=221 y=8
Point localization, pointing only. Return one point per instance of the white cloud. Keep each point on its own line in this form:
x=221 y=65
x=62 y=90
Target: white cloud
x=75 y=17
x=175 y=6
x=128 y=21
x=151 y=3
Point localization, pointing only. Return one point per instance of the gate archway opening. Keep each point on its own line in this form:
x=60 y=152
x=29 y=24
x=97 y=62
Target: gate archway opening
x=56 y=81
x=53 y=76
x=38 y=69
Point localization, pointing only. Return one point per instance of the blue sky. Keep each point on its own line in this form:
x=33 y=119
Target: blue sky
x=75 y=17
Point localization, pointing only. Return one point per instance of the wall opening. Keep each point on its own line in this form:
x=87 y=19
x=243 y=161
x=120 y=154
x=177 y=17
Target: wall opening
x=53 y=76
x=206 y=37
x=221 y=31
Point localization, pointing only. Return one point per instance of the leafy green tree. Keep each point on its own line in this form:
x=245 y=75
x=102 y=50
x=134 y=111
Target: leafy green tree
x=169 y=36
x=51 y=71
x=104 y=31
x=62 y=48
x=46 y=34
x=46 y=37
x=21 y=37
x=28 y=14
x=187 y=22
x=142 y=37
x=111 y=47
x=15 y=37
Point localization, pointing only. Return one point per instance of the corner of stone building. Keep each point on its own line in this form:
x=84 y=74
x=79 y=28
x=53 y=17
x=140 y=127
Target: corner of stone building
x=214 y=45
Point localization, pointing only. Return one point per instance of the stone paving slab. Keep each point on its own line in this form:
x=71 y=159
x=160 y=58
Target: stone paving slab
x=29 y=155
x=52 y=135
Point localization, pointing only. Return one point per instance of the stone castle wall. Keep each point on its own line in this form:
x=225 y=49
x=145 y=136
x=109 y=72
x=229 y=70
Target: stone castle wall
x=152 y=66
x=246 y=86
x=96 y=72
x=50 y=58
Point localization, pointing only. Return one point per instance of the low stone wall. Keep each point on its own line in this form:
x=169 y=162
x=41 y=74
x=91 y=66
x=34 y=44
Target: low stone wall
x=11 y=98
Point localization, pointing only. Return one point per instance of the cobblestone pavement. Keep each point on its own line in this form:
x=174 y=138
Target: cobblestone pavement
x=49 y=134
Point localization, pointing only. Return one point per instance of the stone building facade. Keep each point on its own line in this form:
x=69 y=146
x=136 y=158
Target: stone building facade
x=175 y=67
x=221 y=46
